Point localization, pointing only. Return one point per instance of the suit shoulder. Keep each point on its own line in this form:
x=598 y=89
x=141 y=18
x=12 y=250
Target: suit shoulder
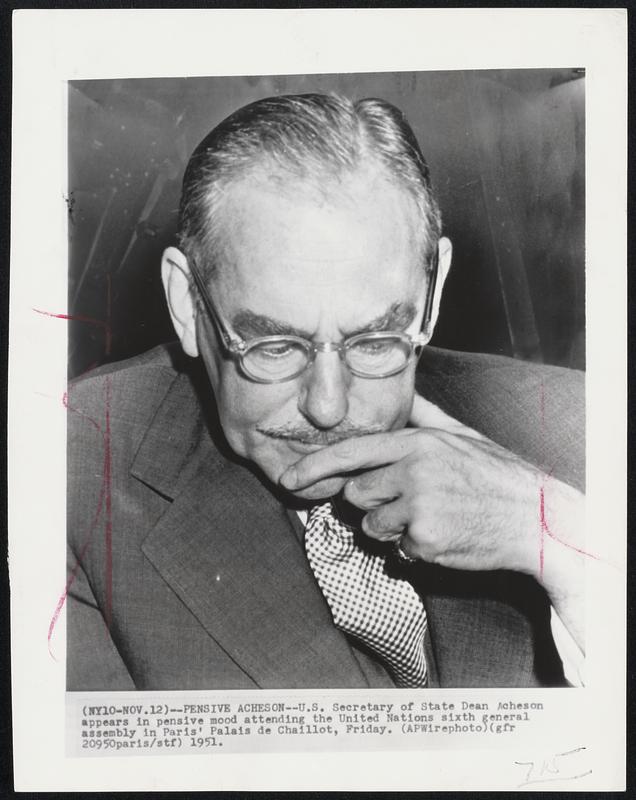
x=479 y=379
x=119 y=401
x=438 y=362
x=164 y=358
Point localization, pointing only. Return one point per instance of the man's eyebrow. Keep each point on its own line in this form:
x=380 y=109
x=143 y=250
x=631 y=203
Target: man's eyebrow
x=249 y=324
x=398 y=317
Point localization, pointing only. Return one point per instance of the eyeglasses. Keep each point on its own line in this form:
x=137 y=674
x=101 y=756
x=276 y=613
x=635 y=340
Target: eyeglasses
x=275 y=359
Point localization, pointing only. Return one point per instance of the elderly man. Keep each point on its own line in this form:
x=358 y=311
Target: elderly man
x=311 y=497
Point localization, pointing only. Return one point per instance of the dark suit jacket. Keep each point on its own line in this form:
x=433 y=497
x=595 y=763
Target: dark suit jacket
x=187 y=572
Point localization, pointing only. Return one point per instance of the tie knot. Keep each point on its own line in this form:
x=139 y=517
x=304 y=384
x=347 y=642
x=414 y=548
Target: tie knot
x=336 y=539
x=325 y=512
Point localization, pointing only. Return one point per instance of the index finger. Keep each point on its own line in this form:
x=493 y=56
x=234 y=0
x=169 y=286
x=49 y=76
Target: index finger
x=358 y=452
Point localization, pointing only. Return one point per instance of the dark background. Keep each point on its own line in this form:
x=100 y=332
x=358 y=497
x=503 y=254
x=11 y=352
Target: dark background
x=507 y=157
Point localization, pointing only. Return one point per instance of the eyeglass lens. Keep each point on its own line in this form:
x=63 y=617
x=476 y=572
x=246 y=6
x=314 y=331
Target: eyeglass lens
x=285 y=358
x=275 y=361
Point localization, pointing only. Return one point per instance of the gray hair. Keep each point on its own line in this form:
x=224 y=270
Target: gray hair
x=307 y=136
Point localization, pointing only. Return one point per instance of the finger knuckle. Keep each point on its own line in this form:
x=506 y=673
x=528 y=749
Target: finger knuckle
x=344 y=451
x=376 y=523
x=369 y=523
x=363 y=481
x=420 y=462
x=421 y=532
x=420 y=507
x=351 y=491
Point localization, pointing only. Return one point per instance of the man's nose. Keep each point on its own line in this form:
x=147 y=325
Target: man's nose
x=324 y=397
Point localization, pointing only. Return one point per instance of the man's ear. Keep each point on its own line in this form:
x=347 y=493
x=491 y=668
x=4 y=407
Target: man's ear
x=175 y=275
x=445 y=254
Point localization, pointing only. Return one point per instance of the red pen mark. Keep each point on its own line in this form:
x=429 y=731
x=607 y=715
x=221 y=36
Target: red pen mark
x=545 y=529
x=69 y=407
x=90 y=320
x=104 y=506
x=542 y=520
x=76 y=566
x=105 y=495
x=104 y=503
x=108 y=522
x=542 y=530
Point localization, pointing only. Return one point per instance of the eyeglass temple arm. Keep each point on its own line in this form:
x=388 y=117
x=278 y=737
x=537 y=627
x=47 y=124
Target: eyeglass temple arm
x=430 y=294
x=230 y=342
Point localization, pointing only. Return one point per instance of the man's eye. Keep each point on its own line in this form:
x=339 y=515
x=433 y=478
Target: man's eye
x=275 y=351
x=375 y=348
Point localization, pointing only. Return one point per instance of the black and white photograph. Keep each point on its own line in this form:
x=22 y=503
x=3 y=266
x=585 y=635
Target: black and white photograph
x=314 y=486
x=321 y=407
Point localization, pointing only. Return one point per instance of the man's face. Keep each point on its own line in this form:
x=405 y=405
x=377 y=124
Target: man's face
x=294 y=262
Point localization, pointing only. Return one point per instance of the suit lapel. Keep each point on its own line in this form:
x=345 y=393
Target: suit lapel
x=226 y=547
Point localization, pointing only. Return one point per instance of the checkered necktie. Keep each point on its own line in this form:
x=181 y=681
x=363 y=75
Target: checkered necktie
x=384 y=612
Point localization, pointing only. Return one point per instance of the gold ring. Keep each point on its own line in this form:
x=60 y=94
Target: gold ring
x=402 y=557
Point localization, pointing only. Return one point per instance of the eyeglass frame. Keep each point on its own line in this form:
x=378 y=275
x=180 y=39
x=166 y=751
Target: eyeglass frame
x=238 y=348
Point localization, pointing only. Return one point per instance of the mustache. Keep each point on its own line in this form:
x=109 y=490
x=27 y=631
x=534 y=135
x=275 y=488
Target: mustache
x=345 y=430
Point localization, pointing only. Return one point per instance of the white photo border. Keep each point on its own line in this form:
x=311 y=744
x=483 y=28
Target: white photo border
x=52 y=47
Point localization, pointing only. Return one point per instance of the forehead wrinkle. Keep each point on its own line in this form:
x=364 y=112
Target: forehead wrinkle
x=248 y=324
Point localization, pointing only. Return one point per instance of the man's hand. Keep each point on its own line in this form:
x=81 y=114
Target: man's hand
x=457 y=499
x=453 y=495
